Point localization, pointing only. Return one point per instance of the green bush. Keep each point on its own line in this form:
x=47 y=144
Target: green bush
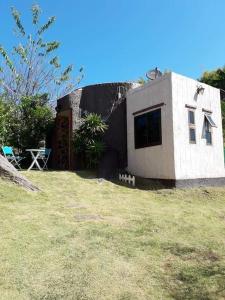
x=5 y=119
x=88 y=139
x=25 y=123
x=216 y=78
x=223 y=118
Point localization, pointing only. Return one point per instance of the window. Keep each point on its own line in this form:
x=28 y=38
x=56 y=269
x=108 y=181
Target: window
x=210 y=120
x=191 y=124
x=208 y=124
x=192 y=135
x=147 y=129
x=208 y=132
x=191 y=117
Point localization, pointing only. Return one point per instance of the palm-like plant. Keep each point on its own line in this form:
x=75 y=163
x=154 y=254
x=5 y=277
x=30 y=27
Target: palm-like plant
x=88 y=139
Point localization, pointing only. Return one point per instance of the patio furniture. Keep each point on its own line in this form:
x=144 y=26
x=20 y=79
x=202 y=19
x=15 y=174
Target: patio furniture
x=39 y=154
x=44 y=157
x=11 y=157
x=35 y=154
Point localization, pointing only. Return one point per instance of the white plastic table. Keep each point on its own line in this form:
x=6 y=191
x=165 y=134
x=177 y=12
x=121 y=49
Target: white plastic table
x=35 y=154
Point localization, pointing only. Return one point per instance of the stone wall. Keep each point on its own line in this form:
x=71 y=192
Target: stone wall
x=101 y=99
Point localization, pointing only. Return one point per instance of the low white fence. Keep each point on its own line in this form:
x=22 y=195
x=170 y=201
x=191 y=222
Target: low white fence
x=127 y=178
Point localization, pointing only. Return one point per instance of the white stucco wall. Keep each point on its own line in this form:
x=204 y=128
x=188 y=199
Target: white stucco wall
x=176 y=158
x=155 y=161
x=196 y=160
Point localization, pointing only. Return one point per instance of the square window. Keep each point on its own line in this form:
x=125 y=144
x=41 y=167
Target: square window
x=147 y=129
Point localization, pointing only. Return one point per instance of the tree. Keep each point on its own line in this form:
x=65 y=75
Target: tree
x=32 y=120
x=32 y=67
x=5 y=115
x=216 y=78
x=88 y=139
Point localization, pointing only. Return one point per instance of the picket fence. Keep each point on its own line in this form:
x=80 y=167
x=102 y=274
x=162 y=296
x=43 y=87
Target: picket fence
x=127 y=178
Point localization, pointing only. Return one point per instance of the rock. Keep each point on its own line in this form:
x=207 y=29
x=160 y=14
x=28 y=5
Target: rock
x=9 y=172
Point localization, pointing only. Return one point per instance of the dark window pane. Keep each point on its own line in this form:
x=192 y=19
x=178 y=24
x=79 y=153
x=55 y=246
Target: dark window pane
x=191 y=117
x=141 y=131
x=192 y=135
x=154 y=123
x=208 y=133
x=148 y=129
x=208 y=138
x=207 y=125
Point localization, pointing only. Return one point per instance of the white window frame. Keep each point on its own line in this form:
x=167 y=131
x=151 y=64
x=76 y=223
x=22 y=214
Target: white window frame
x=211 y=124
x=191 y=126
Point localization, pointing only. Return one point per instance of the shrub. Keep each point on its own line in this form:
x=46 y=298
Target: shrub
x=25 y=123
x=88 y=139
x=5 y=120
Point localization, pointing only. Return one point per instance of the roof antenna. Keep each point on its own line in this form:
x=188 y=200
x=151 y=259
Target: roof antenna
x=153 y=74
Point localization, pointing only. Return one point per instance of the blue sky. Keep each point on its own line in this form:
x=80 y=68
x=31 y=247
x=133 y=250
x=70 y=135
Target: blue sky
x=119 y=40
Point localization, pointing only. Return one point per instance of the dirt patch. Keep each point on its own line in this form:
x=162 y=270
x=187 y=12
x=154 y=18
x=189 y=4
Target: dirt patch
x=165 y=192
x=193 y=253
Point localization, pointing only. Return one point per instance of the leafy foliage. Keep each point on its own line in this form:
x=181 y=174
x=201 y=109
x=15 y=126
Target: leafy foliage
x=223 y=118
x=36 y=10
x=25 y=124
x=32 y=121
x=5 y=114
x=216 y=79
x=30 y=76
x=32 y=67
x=16 y=16
x=88 y=139
x=7 y=61
x=142 y=80
x=43 y=28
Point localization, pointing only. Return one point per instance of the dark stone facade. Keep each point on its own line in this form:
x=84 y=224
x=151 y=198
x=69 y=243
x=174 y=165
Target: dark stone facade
x=102 y=99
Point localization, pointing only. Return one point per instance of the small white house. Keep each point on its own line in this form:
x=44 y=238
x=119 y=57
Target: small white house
x=174 y=132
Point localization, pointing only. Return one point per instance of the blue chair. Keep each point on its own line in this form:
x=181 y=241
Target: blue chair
x=11 y=157
x=44 y=157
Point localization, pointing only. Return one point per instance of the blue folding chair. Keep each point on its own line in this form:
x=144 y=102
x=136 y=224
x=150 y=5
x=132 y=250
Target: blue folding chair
x=44 y=157
x=11 y=157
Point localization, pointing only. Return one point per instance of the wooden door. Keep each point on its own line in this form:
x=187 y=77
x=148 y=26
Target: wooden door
x=62 y=142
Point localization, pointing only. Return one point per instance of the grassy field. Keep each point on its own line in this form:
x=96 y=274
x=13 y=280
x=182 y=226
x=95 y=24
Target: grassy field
x=80 y=238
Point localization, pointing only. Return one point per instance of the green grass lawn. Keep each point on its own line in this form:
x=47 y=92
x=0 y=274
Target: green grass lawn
x=83 y=239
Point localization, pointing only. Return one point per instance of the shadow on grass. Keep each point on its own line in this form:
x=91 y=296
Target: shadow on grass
x=148 y=185
x=199 y=275
x=87 y=174
x=199 y=282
